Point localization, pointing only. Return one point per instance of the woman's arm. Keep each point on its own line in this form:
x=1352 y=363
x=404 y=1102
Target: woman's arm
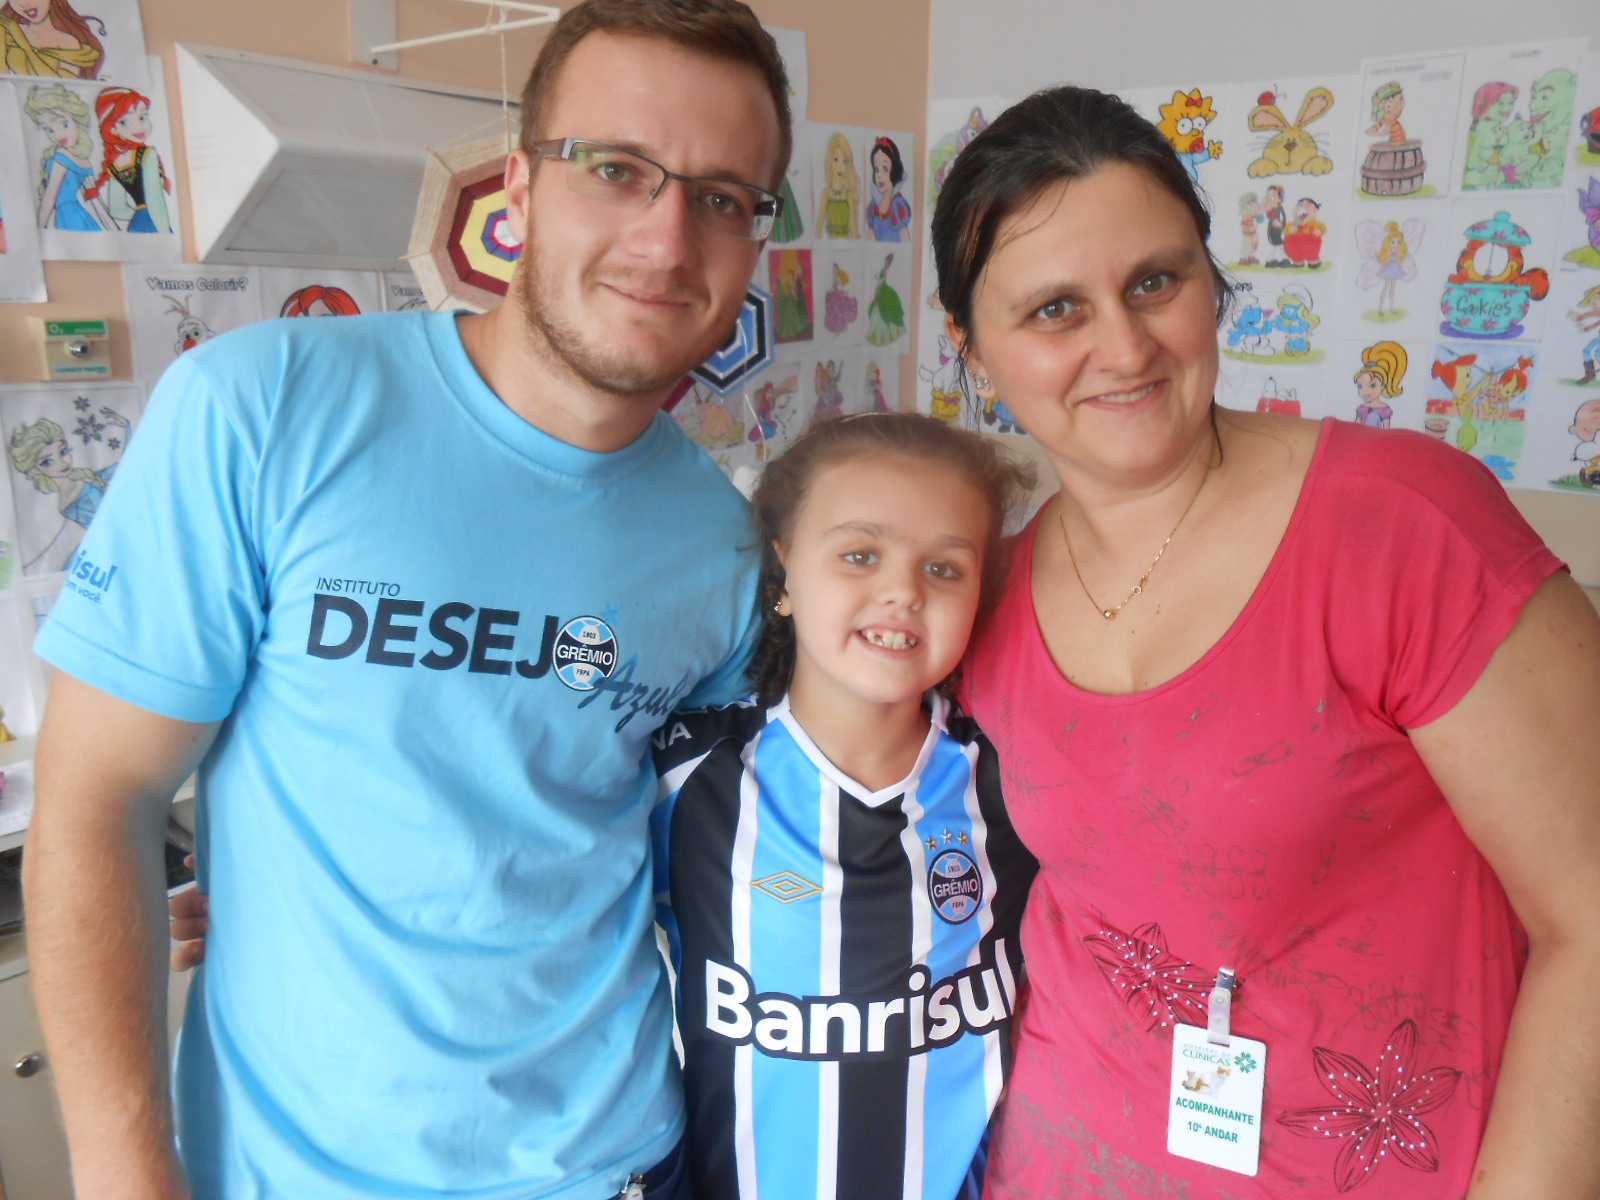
x=1519 y=760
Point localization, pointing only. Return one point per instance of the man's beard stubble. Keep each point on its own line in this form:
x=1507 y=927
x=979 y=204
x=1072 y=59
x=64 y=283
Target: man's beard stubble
x=604 y=368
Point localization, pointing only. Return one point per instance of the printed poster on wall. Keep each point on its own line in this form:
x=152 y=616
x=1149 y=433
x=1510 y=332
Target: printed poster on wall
x=100 y=40
x=63 y=447
x=21 y=266
x=105 y=181
x=174 y=307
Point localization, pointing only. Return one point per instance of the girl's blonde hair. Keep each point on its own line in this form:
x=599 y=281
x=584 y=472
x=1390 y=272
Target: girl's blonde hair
x=1386 y=362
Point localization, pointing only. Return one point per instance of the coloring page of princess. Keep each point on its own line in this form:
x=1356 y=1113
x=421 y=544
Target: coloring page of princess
x=103 y=177
x=63 y=446
x=21 y=263
x=95 y=40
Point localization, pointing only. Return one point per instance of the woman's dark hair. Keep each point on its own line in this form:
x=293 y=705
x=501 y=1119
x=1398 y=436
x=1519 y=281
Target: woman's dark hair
x=1002 y=481
x=1058 y=134
x=897 y=168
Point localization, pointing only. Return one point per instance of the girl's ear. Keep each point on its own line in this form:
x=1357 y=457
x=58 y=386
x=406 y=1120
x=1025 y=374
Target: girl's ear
x=782 y=607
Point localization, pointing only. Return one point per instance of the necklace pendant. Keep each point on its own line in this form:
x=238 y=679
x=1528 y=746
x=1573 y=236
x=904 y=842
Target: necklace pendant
x=1109 y=614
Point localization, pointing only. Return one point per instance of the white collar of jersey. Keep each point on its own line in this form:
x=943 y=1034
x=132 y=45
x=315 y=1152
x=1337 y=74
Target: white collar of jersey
x=938 y=713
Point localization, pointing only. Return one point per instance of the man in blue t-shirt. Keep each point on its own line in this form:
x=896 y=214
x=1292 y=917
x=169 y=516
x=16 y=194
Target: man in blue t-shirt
x=412 y=592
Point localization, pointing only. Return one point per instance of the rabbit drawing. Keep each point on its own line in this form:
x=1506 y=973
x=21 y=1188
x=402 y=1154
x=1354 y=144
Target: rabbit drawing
x=1292 y=150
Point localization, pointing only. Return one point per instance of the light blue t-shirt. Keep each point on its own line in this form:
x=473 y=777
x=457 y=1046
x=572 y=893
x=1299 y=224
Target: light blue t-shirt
x=439 y=641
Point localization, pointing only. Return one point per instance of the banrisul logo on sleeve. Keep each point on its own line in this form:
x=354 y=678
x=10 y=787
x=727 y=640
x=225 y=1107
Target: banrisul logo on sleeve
x=89 y=579
x=373 y=622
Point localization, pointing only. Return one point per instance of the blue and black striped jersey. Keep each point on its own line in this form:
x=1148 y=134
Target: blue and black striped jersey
x=847 y=960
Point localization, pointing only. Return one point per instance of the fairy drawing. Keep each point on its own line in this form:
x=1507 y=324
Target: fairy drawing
x=1389 y=254
x=66 y=168
x=889 y=214
x=49 y=37
x=839 y=215
x=138 y=202
x=830 y=400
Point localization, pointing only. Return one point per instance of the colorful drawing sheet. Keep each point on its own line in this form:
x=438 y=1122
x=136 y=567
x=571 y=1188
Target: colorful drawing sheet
x=21 y=265
x=174 y=307
x=1518 y=110
x=313 y=292
x=101 y=40
x=1403 y=119
x=1401 y=250
x=952 y=125
x=863 y=186
x=842 y=304
x=63 y=447
x=1586 y=122
x=792 y=46
x=105 y=178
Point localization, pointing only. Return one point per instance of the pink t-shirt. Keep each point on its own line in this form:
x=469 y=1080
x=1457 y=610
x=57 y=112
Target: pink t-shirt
x=1265 y=811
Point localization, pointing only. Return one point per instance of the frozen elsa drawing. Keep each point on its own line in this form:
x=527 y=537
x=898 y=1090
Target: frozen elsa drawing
x=66 y=166
x=41 y=454
x=132 y=178
x=49 y=37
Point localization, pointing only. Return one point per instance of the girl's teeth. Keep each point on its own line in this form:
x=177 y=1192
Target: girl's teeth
x=889 y=641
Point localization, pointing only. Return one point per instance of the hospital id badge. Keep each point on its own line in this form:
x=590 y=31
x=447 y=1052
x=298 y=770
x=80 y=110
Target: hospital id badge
x=1214 y=1109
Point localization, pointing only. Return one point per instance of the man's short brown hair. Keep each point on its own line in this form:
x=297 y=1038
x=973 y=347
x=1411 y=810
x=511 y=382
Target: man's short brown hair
x=725 y=29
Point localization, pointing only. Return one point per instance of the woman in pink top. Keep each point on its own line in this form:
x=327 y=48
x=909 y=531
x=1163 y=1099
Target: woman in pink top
x=1307 y=702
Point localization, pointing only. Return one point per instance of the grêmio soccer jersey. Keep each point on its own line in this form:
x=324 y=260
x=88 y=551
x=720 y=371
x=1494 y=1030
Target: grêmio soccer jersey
x=847 y=959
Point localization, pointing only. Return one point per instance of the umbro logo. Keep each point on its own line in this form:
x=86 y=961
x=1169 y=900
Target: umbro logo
x=786 y=887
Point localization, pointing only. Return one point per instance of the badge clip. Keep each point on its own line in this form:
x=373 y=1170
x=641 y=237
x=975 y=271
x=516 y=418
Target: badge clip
x=1219 y=1009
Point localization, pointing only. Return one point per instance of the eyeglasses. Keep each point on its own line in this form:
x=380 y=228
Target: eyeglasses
x=616 y=176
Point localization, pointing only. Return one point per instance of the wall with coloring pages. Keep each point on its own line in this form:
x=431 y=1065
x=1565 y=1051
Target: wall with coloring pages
x=1452 y=174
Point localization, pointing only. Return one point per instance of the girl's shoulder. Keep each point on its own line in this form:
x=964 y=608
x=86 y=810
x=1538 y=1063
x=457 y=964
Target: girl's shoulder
x=693 y=733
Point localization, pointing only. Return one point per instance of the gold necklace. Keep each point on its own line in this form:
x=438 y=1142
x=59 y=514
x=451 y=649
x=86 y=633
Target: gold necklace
x=1110 y=614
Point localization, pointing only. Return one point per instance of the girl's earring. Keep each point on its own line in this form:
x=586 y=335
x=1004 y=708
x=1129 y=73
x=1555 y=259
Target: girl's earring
x=982 y=380
x=782 y=606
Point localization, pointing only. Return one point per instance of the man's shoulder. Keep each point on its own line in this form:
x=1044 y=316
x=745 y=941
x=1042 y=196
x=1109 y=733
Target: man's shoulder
x=370 y=333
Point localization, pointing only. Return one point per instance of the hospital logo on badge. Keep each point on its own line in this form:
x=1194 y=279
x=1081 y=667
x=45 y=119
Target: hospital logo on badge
x=585 y=653
x=955 y=886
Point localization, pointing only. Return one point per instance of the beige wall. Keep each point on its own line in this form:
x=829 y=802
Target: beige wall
x=868 y=67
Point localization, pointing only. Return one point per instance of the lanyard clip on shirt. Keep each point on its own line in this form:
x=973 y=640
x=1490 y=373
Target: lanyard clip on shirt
x=1219 y=1009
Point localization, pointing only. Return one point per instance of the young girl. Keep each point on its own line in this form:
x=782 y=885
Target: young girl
x=844 y=886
